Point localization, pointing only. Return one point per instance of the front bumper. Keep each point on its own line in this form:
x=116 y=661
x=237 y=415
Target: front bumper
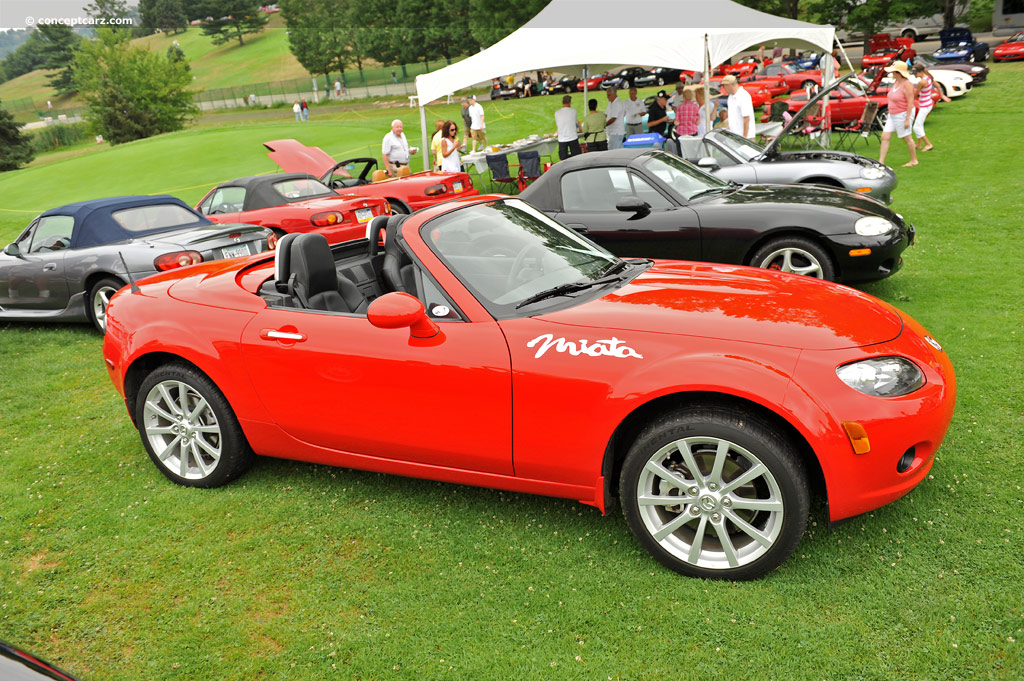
x=883 y=260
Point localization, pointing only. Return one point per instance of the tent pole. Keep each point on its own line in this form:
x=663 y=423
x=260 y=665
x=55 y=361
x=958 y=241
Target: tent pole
x=425 y=149
x=586 y=76
x=706 y=113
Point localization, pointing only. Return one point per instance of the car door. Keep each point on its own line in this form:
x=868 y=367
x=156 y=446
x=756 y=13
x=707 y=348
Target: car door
x=37 y=280
x=337 y=382
x=589 y=197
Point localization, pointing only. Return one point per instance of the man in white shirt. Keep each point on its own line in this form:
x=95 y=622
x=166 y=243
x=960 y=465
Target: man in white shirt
x=615 y=125
x=567 y=121
x=741 y=108
x=395 y=149
x=477 y=128
x=635 y=110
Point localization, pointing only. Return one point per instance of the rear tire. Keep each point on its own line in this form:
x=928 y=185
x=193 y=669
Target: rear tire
x=796 y=255
x=909 y=33
x=715 y=492
x=189 y=429
x=99 y=297
x=398 y=208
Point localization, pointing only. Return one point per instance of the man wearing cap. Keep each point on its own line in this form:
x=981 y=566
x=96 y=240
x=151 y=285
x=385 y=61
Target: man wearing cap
x=900 y=104
x=657 y=116
x=635 y=111
x=395 y=149
x=677 y=97
x=615 y=123
x=741 y=107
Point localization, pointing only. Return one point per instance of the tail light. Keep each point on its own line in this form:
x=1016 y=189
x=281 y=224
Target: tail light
x=172 y=261
x=436 y=190
x=327 y=219
x=469 y=182
x=272 y=241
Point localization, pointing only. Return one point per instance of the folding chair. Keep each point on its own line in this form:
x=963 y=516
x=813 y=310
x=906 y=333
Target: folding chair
x=498 y=165
x=529 y=168
x=861 y=128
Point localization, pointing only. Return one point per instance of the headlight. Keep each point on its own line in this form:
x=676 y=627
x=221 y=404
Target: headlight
x=976 y=69
x=882 y=376
x=872 y=173
x=873 y=226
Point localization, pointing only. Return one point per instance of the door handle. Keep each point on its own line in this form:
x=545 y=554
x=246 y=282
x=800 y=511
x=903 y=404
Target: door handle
x=578 y=228
x=49 y=267
x=275 y=334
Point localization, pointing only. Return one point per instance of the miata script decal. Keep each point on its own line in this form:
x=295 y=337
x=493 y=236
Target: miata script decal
x=611 y=347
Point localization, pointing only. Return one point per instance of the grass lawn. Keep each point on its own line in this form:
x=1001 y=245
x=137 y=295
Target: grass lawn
x=299 y=571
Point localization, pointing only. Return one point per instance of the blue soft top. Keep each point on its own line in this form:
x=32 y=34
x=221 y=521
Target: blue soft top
x=95 y=225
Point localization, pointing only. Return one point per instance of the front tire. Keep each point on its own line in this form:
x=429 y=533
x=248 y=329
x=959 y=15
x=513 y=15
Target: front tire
x=99 y=298
x=797 y=255
x=189 y=429
x=715 y=492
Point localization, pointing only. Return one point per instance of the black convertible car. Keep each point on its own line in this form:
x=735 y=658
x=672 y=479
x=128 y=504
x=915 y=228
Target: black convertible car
x=647 y=203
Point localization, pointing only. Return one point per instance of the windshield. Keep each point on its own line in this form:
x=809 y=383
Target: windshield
x=507 y=251
x=741 y=146
x=855 y=88
x=684 y=178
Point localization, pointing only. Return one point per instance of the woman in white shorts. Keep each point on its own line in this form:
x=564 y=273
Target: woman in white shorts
x=900 y=103
x=926 y=96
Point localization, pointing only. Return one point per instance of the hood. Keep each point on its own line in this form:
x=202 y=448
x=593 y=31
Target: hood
x=731 y=303
x=827 y=155
x=951 y=37
x=797 y=120
x=832 y=204
x=292 y=156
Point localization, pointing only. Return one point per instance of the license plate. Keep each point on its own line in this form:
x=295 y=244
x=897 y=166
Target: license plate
x=236 y=251
x=364 y=214
x=456 y=186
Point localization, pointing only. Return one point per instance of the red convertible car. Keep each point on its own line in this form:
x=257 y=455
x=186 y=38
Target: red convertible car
x=794 y=78
x=846 y=103
x=1010 y=49
x=293 y=202
x=355 y=176
x=883 y=47
x=490 y=345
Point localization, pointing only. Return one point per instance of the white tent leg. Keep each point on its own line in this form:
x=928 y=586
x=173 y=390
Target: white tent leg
x=425 y=149
x=706 y=113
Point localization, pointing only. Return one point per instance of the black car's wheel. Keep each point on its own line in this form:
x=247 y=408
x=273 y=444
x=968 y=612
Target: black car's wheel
x=880 y=118
x=808 y=85
x=715 y=492
x=942 y=89
x=189 y=429
x=909 y=33
x=797 y=255
x=970 y=58
x=661 y=81
x=398 y=207
x=99 y=298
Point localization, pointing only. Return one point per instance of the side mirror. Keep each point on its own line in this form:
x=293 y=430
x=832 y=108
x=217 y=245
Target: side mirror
x=12 y=250
x=400 y=310
x=635 y=205
x=708 y=162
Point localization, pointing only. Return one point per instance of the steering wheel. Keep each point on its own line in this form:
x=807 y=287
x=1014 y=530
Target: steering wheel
x=515 y=277
x=55 y=243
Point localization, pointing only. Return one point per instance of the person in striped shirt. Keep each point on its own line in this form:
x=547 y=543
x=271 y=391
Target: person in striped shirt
x=925 y=89
x=687 y=115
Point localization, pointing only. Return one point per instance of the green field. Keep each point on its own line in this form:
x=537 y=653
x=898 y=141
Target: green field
x=299 y=571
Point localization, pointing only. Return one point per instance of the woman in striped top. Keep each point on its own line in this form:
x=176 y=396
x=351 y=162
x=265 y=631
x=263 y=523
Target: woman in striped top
x=926 y=95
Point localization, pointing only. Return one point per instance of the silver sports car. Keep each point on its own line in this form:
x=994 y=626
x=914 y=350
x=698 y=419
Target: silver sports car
x=69 y=261
x=732 y=157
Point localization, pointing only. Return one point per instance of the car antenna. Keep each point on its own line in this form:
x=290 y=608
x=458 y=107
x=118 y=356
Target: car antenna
x=131 y=279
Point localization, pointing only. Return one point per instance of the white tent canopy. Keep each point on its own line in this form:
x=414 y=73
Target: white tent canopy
x=645 y=32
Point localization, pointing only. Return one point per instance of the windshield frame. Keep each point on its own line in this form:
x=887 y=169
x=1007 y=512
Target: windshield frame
x=503 y=305
x=644 y=161
x=733 y=143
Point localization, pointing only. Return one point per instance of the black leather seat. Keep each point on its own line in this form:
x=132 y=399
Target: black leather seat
x=397 y=269
x=306 y=268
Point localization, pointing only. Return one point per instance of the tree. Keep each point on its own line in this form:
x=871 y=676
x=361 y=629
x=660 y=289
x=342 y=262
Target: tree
x=131 y=92
x=27 y=58
x=107 y=11
x=58 y=50
x=319 y=35
x=176 y=55
x=15 y=147
x=167 y=15
x=868 y=16
x=232 y=19
x=490 y=21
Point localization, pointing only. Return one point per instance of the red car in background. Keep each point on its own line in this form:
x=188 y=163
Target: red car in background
x=1010 y=49
x=794 y=78
x=845 y=103
x=292 y=202
x=760 y=91
x=355 y=176
x=883 y=47
x=490 y=345
x=594 y=82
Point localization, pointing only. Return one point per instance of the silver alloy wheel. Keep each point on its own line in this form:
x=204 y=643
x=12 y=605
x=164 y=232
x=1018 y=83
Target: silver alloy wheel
x=100 y=299
x=710 y=503
x=795 y=260
x=182 y=429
